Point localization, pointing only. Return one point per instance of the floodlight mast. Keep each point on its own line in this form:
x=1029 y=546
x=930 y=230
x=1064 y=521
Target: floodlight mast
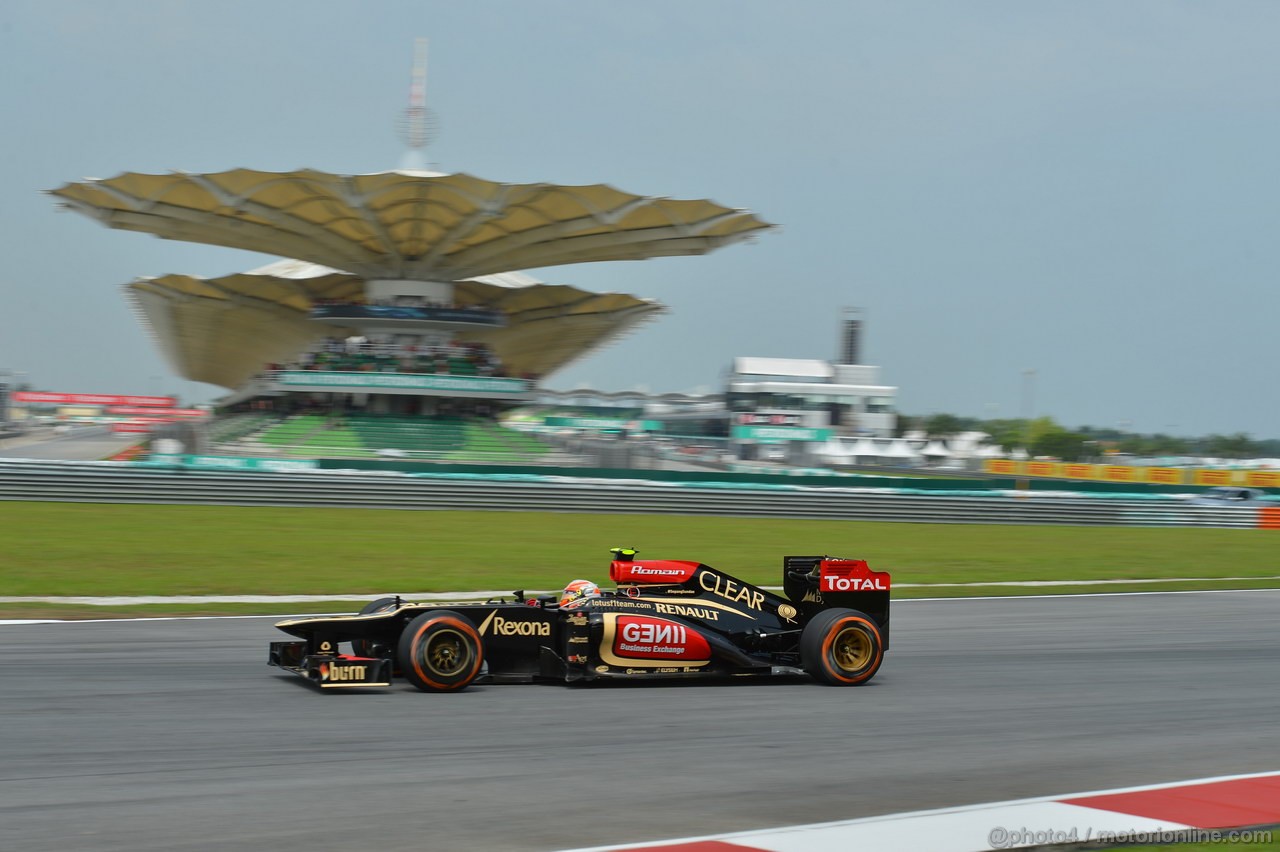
x=416 y=126
x=417 y=133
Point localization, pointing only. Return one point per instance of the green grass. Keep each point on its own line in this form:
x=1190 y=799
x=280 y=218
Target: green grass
x=101 y=549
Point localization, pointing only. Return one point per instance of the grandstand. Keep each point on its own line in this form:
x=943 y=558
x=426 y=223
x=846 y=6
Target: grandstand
x=398 y=320
x=489 y=442
x=232 y=427
x=364 y=436
x=434 y=436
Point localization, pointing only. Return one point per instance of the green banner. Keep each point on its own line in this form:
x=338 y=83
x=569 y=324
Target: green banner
x=410 y=381
x=778 y=434
x=603 y=423
x=233 y=462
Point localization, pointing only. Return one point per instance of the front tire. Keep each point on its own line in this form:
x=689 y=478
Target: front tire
x=841 y=647
x=440 y=651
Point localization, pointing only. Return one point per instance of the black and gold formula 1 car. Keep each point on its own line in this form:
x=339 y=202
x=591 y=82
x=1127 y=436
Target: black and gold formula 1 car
x=667 y=619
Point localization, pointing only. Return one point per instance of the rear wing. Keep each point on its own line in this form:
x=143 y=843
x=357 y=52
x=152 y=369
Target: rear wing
x=816 y=583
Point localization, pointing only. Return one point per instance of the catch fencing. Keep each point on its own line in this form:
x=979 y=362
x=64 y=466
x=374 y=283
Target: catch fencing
x=101 y=482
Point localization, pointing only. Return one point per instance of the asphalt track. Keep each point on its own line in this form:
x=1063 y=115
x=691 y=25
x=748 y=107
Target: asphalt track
x=174 y=735
x=81 y=443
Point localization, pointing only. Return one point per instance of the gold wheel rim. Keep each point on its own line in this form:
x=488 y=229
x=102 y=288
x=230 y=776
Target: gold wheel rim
x=852 y=649
x=446 y=653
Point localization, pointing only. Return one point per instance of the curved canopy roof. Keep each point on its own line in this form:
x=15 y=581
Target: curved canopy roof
x=413 y=225
x=223 y=330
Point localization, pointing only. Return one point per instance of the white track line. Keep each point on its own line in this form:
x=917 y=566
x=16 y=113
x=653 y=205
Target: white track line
x=1039 y=583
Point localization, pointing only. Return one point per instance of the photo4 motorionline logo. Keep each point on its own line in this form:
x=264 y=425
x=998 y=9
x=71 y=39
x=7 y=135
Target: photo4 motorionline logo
x=1002 y=837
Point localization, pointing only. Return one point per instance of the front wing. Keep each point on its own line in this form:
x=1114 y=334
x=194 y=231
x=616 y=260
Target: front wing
x=330 y=671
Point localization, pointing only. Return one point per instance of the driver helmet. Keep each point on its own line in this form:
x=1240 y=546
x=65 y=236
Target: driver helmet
x=577 y=591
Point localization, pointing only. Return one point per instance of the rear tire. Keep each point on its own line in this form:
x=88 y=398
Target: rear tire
x=841 y=647
x=440 y=651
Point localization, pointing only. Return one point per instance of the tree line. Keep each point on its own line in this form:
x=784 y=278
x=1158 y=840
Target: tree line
x=1043 y=436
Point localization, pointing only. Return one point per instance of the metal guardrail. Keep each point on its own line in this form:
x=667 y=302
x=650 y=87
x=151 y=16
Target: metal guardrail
x=117 y=483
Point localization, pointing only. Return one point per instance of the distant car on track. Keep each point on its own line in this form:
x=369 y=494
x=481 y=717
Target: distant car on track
x=667 y=619
x=1229 y=495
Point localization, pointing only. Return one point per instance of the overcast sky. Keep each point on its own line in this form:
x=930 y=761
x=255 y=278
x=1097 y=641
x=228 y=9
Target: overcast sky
x=1083 y=189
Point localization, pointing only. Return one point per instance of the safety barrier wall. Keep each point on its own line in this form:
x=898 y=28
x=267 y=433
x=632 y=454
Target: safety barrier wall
x=781 y=476
x=117 y=483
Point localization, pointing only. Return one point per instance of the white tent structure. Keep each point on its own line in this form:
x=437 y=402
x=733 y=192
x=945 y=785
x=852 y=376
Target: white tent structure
x=964 y=445
x=900 y=450
x=936 y=450
x=865 y=448
x=836 y=452
x=839 y=451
